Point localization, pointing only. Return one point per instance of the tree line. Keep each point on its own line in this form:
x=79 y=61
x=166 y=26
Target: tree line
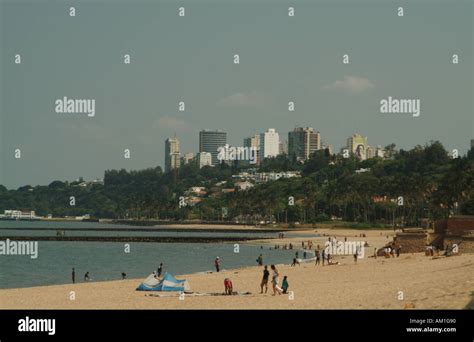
x=423 y=183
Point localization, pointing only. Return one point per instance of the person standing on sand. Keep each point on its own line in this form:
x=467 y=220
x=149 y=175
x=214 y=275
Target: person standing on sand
x=323 y=256
x=73 y=276
x=317 y=257
x=264 y=282
x=86 y=276
x=217 y=264
x=160 y=269
x=285 y=285
x=260 y=260
x=275 y=280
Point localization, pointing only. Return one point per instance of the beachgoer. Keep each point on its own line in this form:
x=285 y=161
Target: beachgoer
x=86 y=276
x=275 y=280
x=295 y=262
x=228 y=288
x=318 y=257
x=260 y=260
x=217 y=264
x=160 y=270
x=323 y=256
x=304 y=254
x=264 y=282
x=284 y=285
x=124 y=275
x=73 y=276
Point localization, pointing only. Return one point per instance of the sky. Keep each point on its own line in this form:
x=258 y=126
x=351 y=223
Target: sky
x=191 y=59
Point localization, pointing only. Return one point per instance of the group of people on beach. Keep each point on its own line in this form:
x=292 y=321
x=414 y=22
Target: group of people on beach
x=275 y=280
x=73 y=275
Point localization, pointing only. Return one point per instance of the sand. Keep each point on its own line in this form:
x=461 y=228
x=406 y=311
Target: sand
x=410 y=281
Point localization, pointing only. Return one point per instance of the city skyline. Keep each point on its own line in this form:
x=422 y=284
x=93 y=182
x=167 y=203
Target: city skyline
x=174 y=60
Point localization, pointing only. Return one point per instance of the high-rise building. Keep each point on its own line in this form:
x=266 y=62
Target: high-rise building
x=283 y=147
x=204 y=159
x=269 y=143
x=210 y=141
x=357 y=144
x=374 y=152
x=253 y=142
x=302 y=142
x=172 y=157
x=188 y=157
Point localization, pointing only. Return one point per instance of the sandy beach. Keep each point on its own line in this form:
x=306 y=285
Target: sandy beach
x=412 y=281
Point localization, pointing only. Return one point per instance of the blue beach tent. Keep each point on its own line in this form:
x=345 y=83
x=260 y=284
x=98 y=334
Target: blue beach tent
x=167 y=283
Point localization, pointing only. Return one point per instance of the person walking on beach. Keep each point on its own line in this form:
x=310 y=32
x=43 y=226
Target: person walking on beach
x=323 y=256
x=86 y=276
x=275 y=280
x=264 y=282
x=295 y=262
x=160 y=269
x=318 y=256
x=73 y=276
x=217 y=264
x=124 y=275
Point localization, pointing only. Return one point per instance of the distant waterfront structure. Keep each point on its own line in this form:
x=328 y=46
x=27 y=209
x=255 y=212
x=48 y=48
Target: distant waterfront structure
x=302 y=142
x=172 y=156
x=357 y=144
x=204 y=159
x=210 y=141
x=253 y=142
x=269 y=144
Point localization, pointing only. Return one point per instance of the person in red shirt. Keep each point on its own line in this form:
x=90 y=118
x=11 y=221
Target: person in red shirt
x=228 y=288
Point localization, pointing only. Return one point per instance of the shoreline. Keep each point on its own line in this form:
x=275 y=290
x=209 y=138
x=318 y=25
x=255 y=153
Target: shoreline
x=425 y=282
x=314 y=287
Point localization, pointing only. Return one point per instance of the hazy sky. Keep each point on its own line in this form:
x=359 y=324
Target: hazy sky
x=191 y=59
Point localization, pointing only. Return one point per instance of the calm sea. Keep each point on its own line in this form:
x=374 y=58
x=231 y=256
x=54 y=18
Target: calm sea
x=107 y=260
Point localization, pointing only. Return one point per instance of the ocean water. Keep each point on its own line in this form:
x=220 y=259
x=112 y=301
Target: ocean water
x=107 y=260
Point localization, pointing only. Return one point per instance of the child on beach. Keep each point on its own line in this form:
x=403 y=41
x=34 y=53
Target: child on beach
x=284 y=285
x=264 y=282
x=275 y=280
